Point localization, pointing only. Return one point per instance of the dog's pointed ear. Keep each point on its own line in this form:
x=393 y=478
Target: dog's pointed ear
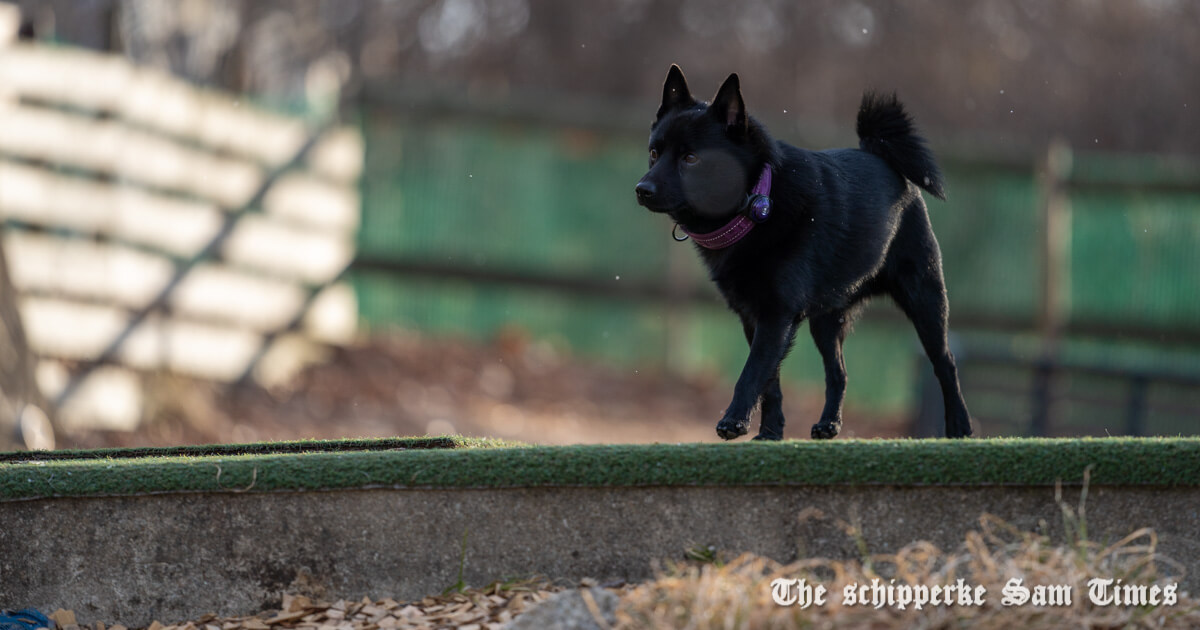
x=728 y=106
x=675 y=92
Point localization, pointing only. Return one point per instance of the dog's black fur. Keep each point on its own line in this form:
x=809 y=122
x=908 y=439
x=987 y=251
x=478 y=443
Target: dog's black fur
x=845 y=225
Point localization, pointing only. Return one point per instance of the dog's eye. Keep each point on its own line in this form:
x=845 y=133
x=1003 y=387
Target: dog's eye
x=691 y=158
x=653 y=156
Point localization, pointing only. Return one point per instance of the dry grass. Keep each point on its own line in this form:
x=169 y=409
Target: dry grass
x=739 y=594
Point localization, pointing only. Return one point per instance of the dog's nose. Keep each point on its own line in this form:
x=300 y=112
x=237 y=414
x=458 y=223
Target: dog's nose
x=645 y=190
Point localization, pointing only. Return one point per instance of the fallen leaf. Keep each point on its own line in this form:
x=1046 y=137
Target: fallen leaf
x=282 y=617
x=63 y=617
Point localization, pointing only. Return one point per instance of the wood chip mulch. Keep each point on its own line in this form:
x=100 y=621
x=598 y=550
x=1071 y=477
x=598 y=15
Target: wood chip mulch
x=472 y=609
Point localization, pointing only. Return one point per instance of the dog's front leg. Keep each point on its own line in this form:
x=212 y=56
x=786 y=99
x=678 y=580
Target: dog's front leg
x=773 y=336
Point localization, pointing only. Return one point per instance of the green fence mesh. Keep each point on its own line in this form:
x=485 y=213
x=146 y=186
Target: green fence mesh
x=475 y=193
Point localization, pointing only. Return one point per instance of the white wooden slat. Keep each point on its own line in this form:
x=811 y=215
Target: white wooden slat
x=288 y=251
x=286 y=356
x=182 y=228
x=217 y=120
x=44 y=198
x=108 y=273
x=221 y=293
x=10 y=21
x=154 y=99
x=84 y=269
x=177 y=226
x=113 y=149
x=279 y=252
x=70 y=76
x=209 y=351
x=339 y=155
x=151 y=98
x=333 y=316
x=109 y=400
x=312 y=201
x=71 y=330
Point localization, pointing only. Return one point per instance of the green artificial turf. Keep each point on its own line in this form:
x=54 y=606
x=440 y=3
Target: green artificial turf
x=462 y=463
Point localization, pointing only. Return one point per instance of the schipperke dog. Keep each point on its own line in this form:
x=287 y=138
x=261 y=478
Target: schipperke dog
x=789 y=234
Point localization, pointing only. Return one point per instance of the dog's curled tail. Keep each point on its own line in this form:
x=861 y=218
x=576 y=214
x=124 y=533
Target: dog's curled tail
x=886 y=130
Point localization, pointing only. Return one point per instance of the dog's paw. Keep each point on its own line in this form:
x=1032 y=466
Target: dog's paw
x=731 y=428
x=961 y=431
x=826 y=429
x=771 y=437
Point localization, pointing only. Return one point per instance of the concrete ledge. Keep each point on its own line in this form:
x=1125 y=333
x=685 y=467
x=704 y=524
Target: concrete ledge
x=176 y=556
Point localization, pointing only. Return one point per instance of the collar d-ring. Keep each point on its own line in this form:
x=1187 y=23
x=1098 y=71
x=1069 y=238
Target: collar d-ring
x=675 y=236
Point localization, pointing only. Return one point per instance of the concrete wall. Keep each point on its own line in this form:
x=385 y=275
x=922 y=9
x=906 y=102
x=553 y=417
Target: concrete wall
x=172 y=557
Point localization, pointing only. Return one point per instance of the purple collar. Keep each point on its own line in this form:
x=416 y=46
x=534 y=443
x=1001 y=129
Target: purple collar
x=757 y=210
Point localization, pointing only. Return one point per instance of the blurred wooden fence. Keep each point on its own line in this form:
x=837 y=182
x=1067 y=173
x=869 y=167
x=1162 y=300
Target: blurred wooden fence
x=153 y=225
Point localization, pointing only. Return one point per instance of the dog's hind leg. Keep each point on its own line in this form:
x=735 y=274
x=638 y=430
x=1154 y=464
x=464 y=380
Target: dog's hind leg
x=828 y=332
x=920 y=292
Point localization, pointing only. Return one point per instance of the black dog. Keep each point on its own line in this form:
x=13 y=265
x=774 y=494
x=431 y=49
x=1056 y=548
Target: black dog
x=789 y=234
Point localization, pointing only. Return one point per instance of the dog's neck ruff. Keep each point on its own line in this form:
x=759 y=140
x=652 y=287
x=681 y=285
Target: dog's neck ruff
x=757 y=209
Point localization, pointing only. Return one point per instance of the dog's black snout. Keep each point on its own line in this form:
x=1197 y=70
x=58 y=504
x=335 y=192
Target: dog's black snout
x=645 y=190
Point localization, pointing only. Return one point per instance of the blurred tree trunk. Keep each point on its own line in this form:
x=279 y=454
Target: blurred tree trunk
x=23 y=423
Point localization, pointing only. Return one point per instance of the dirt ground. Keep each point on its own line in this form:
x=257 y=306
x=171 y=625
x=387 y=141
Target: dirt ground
x=403 y=384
